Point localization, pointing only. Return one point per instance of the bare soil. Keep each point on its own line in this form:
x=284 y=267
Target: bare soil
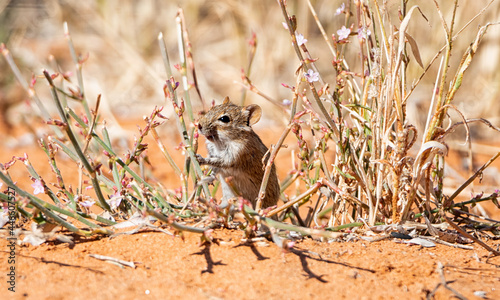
x=182 y=268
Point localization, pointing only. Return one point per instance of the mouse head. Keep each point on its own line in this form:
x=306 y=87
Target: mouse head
x=229 y=121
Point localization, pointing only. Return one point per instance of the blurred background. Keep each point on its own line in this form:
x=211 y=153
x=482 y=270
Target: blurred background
x=125 y=65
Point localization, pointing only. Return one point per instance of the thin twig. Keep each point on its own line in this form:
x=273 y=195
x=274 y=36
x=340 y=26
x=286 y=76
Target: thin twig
x=466 y=234
x=440 y=271
x=129 y=264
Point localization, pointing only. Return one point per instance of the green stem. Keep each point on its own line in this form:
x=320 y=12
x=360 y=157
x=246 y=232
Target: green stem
x=174 y=224
x=285 y=226
x=291 y=28
x=78 y=150
x=47 y=208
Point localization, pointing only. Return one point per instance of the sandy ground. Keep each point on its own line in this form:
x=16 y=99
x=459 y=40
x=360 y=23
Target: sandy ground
x=173 y=268
x=170 y=267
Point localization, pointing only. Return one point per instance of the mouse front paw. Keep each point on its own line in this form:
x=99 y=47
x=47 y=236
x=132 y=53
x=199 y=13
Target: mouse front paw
x=201 y=160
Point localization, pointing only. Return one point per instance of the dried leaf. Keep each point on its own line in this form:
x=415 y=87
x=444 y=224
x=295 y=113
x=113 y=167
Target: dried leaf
x=449 y=237
x=35 y=237
x=414 y=49
x=4 y=218
x=404 y=26
x=136 y=220
x=117 y=261
x=65 y=239
x=434 y=147
x=421 y=242
x=431 y=229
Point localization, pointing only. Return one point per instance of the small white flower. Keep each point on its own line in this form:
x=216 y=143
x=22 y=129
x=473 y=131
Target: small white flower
x=300 y=39
x=311 y=76
x=38 y=186
x=1 y=184
x=364 y=33
x=87 y=203
x=340 y=10
x=343 y=33
x=286 y=102
x=115 y=200
x=285 y=25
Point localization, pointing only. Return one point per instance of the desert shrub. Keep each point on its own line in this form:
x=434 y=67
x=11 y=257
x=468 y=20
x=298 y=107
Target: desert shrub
x=363 y=163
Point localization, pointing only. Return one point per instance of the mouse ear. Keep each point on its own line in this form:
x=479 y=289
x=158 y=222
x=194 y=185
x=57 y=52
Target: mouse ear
x=226 y=100
x=254 y=113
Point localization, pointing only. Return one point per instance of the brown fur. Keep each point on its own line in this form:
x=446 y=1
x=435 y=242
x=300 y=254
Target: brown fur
x=235 y=150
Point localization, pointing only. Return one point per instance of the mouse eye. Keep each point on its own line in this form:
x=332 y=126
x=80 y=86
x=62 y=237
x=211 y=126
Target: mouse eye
x=224 y=119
